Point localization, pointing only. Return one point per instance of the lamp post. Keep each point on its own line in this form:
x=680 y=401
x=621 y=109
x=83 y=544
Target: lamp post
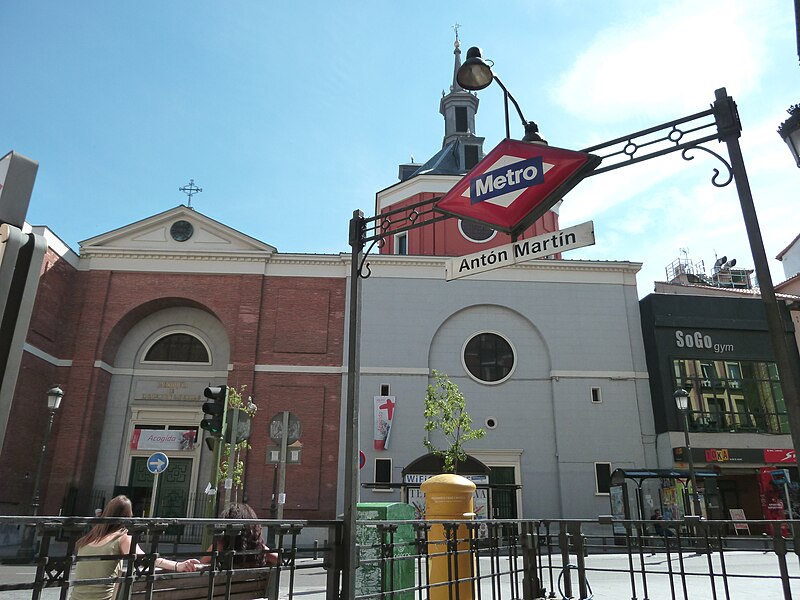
x=476 y=74
x=54 y=396
x=682 y=400
x=789 y=130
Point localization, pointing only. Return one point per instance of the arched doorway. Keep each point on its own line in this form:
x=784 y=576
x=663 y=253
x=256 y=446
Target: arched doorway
x=155 y=400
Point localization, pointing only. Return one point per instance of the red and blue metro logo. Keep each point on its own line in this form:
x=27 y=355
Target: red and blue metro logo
x=515 y=184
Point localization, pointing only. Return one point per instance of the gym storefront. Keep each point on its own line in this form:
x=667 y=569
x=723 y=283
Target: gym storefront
x=719 y=350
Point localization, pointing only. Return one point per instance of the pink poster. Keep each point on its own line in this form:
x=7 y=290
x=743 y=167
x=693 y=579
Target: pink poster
x=384 y=413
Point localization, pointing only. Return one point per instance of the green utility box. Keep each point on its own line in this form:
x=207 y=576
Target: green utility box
x=373 y=575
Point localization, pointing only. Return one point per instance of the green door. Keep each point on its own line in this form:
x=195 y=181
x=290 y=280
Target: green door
x=173 y=487
x=504 y=493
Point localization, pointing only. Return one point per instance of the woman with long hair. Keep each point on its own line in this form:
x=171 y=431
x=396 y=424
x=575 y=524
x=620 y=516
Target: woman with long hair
x=111 y=539
x=250 y=542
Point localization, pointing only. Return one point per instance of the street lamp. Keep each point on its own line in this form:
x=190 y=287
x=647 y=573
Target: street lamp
x=476 y=74
x=682 y=400
x=54 y=396
x=789 y=130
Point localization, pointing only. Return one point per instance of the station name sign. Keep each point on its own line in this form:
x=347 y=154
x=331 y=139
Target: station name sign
x=521 y=251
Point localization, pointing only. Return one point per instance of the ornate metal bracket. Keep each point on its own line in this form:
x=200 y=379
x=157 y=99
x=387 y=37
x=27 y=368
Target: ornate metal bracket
x=373 y=231
x=679 y=134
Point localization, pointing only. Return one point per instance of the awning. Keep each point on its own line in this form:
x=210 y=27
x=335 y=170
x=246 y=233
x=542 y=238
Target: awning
x=619 y=476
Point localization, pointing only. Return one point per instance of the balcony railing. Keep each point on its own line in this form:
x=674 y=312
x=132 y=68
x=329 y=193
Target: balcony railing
x=402 y=560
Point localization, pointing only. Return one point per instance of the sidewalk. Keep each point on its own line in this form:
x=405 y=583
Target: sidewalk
x=750 y=575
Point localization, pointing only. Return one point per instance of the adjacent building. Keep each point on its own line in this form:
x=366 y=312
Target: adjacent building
x=708 y=335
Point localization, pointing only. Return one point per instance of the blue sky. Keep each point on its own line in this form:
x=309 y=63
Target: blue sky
x=291 y=115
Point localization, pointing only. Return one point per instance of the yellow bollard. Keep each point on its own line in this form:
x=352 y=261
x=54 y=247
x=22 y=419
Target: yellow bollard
x=449 y=497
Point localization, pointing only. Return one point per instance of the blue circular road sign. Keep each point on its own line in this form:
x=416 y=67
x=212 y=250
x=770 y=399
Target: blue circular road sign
x=157 y=463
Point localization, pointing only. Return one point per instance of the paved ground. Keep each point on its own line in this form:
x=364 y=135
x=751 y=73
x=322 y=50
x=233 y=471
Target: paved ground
x=751 y=575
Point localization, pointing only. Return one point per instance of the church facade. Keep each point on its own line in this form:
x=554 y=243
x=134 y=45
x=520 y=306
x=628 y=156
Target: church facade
x=134 y=330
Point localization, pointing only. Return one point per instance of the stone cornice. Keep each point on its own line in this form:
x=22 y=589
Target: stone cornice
x=332 y=265
x=533 y=265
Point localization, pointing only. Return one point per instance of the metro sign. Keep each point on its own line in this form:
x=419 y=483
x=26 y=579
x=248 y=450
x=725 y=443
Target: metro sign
x=515 y=184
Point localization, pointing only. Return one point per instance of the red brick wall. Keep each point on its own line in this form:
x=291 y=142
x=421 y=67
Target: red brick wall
x=445 y=239
x=285 y=321
x=51 y=332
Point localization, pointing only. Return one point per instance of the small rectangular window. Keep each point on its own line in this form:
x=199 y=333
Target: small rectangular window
x=383 y=470
x=597 y=396
x=602 y=477
x=470 y=156
x=385 y=390
x=401 y=243
x=461 y=119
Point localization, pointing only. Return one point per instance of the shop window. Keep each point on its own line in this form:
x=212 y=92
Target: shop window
x=488 y=357
x=602 y=478
x=178 y=347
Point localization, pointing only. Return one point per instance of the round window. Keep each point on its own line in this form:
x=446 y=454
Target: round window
x=489 y=357
x=181 y=231
x=475 y=232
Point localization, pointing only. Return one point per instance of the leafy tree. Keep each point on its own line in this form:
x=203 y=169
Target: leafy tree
x=446 y=412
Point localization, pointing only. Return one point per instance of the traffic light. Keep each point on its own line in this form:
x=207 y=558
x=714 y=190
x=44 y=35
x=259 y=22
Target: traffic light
x=214 y=410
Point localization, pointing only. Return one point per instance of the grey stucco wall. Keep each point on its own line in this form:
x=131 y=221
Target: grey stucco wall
x=568 y=336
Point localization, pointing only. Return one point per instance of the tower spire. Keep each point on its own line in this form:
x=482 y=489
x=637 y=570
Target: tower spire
x=455 y=87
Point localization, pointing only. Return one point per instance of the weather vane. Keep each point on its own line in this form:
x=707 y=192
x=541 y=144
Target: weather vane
x=190 y=190
x=455 y=28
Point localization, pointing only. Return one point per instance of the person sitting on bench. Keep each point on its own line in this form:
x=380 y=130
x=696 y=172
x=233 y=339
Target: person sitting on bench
x=112 y=539
x=250 y=539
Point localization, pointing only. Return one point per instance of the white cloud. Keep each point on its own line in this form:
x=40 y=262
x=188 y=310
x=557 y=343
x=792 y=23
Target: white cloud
x=665 y=63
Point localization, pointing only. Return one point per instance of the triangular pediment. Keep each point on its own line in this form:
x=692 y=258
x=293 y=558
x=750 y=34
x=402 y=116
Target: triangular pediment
x=177 y=231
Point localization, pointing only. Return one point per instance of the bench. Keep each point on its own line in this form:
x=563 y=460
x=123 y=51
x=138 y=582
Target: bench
x=245 y=585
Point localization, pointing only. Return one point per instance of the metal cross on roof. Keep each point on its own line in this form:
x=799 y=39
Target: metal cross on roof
x=190 y=190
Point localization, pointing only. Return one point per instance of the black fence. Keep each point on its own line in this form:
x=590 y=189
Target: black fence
x=416 y=560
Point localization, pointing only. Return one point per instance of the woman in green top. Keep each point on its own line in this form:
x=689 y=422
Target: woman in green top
x=111 y=539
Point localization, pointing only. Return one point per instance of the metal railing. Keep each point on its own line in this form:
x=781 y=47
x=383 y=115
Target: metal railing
x=412 y=560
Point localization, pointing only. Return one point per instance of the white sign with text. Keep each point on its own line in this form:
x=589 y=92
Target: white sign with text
x=521 y=251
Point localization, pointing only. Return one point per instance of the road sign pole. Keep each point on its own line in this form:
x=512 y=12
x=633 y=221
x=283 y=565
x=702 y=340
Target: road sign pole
x=153 y=496
x=232 y=458
x=156 y=464
x=282 y=476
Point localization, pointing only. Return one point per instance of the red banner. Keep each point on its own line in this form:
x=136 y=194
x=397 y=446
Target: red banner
x=779 y=455
x=772 y=504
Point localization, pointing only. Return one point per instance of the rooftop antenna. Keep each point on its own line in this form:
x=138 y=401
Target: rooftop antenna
x=190 y=190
